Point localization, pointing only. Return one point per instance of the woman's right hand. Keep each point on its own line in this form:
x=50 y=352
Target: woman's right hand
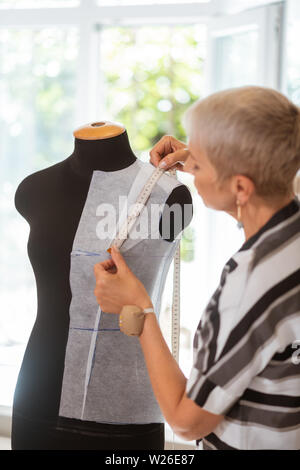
x=171 y=151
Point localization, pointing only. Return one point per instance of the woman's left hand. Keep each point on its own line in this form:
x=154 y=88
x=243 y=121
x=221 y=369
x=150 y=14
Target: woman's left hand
x=116 y=285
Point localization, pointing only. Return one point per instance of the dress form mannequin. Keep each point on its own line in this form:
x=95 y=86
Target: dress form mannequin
x=52 y=200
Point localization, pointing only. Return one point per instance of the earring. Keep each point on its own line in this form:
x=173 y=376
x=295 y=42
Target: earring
x=239 y=215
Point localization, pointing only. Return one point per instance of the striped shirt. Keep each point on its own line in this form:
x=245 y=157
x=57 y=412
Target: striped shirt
x=246 y=361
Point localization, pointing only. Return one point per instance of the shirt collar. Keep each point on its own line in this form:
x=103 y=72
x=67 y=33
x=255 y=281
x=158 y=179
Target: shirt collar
x=284 y=213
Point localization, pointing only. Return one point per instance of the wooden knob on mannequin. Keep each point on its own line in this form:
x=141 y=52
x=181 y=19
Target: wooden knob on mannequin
x=99 y=130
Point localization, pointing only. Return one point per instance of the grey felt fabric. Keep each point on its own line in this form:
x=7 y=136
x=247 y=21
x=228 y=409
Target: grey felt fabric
x=105 y=376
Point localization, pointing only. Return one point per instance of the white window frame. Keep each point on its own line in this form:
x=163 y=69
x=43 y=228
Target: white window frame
x=283 y=76
x=287 y=12
x=267 y=20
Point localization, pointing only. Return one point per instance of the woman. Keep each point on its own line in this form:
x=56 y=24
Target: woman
x=243 y=389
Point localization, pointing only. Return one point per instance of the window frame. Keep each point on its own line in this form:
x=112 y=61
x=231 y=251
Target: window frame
x=268 y=20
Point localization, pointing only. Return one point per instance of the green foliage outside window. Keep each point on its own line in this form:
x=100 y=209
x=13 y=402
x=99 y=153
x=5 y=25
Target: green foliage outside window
x=153 y=74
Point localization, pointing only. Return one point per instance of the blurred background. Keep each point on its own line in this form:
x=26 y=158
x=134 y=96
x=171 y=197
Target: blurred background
x=64 y=63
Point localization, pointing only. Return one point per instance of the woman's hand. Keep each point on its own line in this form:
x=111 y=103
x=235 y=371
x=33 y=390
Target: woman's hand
x=171 y=151
x=116 y=285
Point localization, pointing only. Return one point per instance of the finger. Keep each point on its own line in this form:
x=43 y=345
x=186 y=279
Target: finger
x=112 y=270
x=161 y=149
x=173 y=159
x=108 y=263
x=103 y=267
x=98 y=267
x=118 y=259
x=178 y=166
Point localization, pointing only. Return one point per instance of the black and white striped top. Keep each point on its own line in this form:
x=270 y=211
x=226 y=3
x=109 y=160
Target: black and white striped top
x=247 y=345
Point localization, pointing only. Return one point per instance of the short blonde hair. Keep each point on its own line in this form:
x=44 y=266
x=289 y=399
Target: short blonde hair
x=254 y=131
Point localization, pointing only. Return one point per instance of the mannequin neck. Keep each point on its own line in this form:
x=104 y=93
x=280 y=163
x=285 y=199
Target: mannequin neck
x=103 y=154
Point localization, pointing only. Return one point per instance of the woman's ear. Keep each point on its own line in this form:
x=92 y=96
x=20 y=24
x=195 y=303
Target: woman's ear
x=242 y=187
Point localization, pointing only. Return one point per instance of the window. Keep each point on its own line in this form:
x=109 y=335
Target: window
x=37 y=3
x=292 y=59
x=37 y=86
x=152 y=74
x=145 y=2
x=233 y=48
x=291 y=62
x=243 y=49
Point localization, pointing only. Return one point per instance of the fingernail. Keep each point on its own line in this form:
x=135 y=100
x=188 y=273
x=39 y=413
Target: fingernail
x=162 y=164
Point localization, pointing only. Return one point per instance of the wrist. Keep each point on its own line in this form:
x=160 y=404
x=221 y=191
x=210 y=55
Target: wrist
x=149 y=320
x=145 y=303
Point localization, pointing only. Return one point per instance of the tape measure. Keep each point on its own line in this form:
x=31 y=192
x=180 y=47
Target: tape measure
x=122 y=235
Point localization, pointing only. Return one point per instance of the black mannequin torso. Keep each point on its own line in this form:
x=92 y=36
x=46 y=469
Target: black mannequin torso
x=52 y=200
